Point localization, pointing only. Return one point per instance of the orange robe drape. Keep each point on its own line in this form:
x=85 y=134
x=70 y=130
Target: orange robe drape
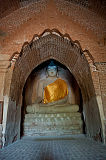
x=55 y=91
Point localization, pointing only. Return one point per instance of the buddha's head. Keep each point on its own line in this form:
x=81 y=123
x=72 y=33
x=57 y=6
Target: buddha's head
x=52 y=69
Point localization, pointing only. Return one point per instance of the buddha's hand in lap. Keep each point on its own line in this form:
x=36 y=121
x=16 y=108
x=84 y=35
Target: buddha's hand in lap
x=59 y=102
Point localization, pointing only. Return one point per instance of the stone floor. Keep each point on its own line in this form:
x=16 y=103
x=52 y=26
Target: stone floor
x=54 y=148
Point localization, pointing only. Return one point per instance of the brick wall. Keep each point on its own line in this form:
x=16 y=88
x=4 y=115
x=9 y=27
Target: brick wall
x=102 y=81
x=60 y=49
x=8 y=6
x=82 y=25
x=86 y=18
x=63 y=49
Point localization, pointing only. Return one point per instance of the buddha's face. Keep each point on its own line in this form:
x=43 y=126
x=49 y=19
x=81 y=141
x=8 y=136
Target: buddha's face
x=52 y=72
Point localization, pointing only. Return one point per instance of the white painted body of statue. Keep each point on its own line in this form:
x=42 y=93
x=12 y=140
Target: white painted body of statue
x=50 y=78
x=39 y=106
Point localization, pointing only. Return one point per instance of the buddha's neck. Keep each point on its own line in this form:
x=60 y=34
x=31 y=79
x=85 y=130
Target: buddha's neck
x=52 y=78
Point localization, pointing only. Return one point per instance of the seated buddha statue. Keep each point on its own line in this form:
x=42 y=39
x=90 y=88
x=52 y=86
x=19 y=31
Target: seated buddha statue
x=53 y=94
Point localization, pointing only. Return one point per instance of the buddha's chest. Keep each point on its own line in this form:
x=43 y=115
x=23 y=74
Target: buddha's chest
x=48 y=81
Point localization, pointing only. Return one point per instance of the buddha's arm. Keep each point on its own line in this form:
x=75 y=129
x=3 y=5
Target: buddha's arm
x=39 y=92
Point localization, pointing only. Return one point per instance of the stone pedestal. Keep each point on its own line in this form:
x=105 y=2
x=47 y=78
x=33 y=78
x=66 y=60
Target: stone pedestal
x=48 y=124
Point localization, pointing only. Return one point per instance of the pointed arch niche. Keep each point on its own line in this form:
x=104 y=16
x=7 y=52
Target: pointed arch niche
x=51 y=44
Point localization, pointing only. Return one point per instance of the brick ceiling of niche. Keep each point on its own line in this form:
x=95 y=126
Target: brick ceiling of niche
x=8 y=6
x=83 y=20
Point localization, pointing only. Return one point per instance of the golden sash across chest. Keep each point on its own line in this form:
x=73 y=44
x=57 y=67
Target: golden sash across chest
x=55 y=91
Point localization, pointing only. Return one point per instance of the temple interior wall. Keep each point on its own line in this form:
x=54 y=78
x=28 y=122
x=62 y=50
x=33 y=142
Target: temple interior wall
x=44 y=15
x=75 y=63
x=81 y=26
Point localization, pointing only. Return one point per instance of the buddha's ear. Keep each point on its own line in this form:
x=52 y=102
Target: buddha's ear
x=46 y=74
x=57 y=74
